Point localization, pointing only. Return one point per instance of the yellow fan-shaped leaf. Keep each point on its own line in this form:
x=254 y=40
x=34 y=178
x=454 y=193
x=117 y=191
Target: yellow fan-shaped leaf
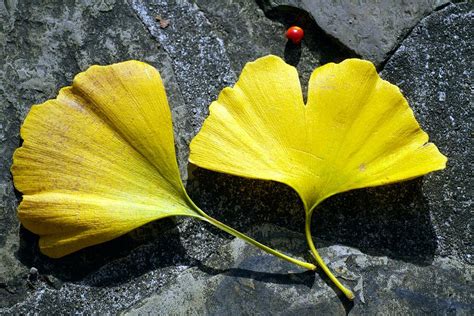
x=355 y=131
x=99 y=160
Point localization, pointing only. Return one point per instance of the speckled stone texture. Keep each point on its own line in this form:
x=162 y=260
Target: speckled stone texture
x=404 y=248
x=432 y=69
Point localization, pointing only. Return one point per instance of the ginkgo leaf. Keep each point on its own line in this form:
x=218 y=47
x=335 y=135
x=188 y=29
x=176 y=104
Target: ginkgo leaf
x=99 y=161
x=355 y=131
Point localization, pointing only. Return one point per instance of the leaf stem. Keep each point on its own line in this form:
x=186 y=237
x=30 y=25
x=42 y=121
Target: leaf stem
x=348 y=293
x=203 y=216
x=230 y=230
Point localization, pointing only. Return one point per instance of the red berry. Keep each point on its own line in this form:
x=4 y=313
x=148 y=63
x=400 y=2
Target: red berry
x=295 y=34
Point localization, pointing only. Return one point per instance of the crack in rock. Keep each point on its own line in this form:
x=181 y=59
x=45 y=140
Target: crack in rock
x=199 y=58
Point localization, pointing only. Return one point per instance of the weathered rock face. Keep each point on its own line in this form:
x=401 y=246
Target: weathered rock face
x=42 y=46
x=371 y=29
x=403 y=248
x=431 y=69
x=239 y=280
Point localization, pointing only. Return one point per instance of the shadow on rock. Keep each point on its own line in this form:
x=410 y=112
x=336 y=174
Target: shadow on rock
x=305 y=278
x=245 y=203
x=292 y=53
x=390 y=220
x=147 y=248
x=329 y=48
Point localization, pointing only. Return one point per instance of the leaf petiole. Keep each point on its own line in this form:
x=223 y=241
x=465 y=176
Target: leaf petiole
x=230 y=230
x=203 y=216
x=348 y=293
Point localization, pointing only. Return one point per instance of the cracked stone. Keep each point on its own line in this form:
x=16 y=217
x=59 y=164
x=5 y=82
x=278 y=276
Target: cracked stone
x=372 y=29
x=253 y=283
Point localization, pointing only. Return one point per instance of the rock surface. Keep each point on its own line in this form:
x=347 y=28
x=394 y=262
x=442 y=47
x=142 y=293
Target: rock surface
x=403 y=248
x=249 y=283
x=431 y=69
x=371 y=29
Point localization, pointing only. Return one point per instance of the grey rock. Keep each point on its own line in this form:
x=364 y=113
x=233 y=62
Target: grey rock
x=249 y=35
x=198 y=56
x=403 y=248
x=433 y=69
x=372 y=29
x=42 y=46
x=240 y=280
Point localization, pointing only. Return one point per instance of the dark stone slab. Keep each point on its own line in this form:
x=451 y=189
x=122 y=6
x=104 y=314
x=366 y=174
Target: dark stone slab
x=372 y=29
x=433 y=67
x=250 y=34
